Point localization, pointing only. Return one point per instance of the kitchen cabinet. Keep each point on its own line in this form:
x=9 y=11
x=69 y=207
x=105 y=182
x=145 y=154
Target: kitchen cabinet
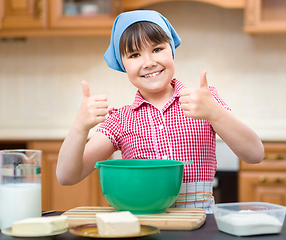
x=137 y=4
x=62 y=198
x=265 y=182
x=22 y=18
x=25 y=18
x=25 y=14
x=265 y=16
x=98 y=14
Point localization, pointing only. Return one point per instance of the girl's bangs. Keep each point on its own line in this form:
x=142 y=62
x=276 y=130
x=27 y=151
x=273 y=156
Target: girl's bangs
x=139 y=34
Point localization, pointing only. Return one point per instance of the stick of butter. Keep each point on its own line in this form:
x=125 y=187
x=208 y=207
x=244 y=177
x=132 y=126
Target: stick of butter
x=116 y=224
x=40 y=225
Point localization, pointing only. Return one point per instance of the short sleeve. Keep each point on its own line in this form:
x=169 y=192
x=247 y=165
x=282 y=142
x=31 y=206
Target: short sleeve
x=218 y=98
x=110 y=127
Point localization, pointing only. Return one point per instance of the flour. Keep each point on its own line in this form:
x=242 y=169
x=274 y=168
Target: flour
x=249 y=224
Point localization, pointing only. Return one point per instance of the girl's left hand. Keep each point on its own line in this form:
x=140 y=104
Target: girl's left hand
x=199 y=103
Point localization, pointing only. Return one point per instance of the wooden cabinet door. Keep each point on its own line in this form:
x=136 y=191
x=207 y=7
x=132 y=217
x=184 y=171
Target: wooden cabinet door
x=265 y=16
x=137 y=4
x=100 y=23
x=63 y=198
x=276 y=195
x=274 y=159
x=23 y=14
x=262 y=187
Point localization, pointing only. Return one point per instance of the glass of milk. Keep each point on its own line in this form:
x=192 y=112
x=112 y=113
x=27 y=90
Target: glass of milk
x=20 y=185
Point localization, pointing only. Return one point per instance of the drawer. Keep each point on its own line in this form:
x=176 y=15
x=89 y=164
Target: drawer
x=262 y=187
x=274 y=159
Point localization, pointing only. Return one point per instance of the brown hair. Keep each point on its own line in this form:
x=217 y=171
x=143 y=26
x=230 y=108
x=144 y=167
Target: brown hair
x=138 y=34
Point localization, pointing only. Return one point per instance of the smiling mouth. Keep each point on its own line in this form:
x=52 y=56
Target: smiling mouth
x=152 y=74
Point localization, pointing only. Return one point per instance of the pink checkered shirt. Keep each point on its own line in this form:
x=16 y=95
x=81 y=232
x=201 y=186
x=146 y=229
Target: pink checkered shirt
x=143 y=131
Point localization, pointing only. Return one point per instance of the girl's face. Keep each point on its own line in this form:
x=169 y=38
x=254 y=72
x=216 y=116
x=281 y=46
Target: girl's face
x=150 y=69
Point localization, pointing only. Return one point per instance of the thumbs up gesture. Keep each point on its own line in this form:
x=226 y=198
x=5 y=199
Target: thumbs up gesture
x=198 y=103
x=93 y=109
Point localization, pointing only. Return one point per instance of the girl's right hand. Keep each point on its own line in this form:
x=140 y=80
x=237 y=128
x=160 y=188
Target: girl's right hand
x=93 y=109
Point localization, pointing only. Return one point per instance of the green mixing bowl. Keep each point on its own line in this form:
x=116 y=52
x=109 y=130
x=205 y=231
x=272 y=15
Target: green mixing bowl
x=141 y=186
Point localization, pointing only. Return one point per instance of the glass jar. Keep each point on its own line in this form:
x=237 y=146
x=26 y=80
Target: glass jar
x=20 y=185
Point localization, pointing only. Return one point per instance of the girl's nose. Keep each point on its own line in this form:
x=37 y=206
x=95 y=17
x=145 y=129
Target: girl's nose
x=149 y=61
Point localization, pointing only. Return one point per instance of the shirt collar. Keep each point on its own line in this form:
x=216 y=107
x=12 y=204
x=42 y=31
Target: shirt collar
x=175 y=83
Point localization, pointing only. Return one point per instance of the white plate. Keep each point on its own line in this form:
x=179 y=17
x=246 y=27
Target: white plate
x=8 y=231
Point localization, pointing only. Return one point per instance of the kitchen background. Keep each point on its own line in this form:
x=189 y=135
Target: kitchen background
x=41 y=92
x=40 y=78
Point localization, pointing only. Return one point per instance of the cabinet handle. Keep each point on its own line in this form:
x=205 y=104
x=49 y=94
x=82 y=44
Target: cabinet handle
x=39 y=7
x=263 y=179
x=275 y=156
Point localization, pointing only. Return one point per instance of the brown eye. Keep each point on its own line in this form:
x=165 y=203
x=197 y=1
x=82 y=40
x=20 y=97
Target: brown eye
x=135 y=55
x=157 y=50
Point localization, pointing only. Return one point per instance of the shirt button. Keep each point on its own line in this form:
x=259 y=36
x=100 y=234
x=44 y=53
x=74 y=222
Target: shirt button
x=161 y=126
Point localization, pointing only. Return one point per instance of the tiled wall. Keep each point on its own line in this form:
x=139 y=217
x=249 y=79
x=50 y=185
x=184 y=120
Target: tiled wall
x=40 y=79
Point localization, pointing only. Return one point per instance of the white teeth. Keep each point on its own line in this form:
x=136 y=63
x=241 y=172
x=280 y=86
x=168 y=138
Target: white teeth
x=152 y=74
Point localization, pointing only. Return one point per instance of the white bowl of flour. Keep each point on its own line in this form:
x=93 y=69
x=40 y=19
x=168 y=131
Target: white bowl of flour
x=249 y=218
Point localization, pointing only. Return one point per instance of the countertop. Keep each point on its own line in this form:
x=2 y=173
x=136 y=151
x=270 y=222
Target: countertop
x=208 y=231
x=30 y=134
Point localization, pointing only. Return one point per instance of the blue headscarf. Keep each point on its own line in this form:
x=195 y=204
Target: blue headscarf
x=124 y=20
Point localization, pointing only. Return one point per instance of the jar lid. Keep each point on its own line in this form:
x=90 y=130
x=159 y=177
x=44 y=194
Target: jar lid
x=20 y=170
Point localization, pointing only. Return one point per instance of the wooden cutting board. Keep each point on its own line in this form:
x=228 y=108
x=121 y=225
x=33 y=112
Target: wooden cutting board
x=172 y=219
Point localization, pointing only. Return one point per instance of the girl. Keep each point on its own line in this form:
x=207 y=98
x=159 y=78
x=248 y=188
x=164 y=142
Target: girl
x=166 y=120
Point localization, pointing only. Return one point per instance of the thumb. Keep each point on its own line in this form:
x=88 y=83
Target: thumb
x=85 y=89
x=203 y=79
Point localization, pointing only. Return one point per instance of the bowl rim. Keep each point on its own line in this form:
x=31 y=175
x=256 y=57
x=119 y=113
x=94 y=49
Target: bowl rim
x=108 y=163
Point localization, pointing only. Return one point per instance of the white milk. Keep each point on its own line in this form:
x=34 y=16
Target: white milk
x=252 y=224
x=19 y=201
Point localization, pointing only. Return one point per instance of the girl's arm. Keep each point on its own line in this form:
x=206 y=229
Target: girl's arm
x=76 y=157
x=239 y=137
x=200 y=104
